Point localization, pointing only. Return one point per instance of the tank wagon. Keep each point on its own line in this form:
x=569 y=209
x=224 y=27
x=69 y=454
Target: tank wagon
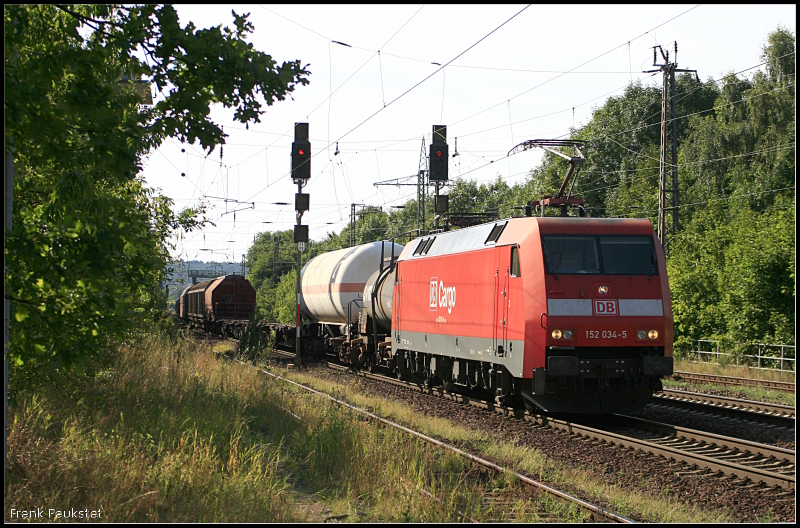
x=220 y=306
x=332 y=298
x=568 y=314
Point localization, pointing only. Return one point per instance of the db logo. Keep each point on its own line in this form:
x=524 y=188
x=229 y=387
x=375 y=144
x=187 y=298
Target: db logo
x=441 y=297
x=604 y=307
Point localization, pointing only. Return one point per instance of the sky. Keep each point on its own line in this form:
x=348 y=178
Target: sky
x=383 y=75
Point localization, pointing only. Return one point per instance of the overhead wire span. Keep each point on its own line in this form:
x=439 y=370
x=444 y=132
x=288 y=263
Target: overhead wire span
x=684 y=96
x=569 y=71
x=578 y=66
x=627 y=43
x=337 y=89
x=434 y=73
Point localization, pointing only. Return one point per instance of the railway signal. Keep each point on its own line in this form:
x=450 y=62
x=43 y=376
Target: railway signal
x=301 y=173
x=301 y=153
x=439 y=158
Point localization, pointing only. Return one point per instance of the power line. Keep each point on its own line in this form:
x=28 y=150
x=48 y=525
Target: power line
x=576 y=67
x=701 y=162
x=412 y=88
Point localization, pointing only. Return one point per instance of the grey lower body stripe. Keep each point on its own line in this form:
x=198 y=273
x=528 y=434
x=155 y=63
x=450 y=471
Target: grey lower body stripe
x=472 y=348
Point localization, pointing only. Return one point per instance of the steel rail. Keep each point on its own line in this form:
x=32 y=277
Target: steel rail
x=695 y=448
x=695 y=377
x=681 y=444
x=589 y=506
x=782 y=415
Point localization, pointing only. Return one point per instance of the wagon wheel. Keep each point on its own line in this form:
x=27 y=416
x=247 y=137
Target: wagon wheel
x=448 y=384
x=372 y=365
x=529 y=406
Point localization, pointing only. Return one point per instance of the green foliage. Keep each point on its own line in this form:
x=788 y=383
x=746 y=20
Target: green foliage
x=757 y=279
x=286 y=299
x=90 y=242
x=732 y=268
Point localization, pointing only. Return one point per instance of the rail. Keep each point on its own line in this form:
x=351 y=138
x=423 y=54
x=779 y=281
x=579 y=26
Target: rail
x=760 y=360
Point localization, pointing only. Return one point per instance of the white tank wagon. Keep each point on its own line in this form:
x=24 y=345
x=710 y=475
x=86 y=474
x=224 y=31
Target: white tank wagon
x=332 y=284
x=380 y=308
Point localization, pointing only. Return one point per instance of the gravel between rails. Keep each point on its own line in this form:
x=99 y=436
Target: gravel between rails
x=624 y=468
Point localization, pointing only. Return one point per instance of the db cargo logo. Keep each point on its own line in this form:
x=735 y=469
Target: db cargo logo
x=441 y=297
x=605 y=307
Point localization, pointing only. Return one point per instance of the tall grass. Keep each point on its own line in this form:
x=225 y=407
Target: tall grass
x=449 y=475
x=165 y=434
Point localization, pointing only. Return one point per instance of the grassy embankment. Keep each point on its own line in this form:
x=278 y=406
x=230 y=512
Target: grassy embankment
x=169 y=433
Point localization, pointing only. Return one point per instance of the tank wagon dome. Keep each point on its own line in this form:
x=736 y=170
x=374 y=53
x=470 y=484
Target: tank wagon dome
x=332 y=284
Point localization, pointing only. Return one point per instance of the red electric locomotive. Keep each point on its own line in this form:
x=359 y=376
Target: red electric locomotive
x=573 y=314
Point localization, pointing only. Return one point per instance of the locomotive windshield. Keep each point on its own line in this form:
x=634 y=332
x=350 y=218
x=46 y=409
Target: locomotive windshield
x=610 y=255
x=628 y=255
x=571 y=254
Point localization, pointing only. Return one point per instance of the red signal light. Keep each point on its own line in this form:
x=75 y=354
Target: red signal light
x=439 y=153
x=301 y=152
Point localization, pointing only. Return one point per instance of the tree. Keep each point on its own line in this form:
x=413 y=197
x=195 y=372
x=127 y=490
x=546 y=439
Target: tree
x=90 y=242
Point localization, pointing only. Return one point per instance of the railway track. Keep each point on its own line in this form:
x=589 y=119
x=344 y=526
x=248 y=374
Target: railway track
x=770 y=413
x=754 y=464
x=770 y=475
x=759 y=463
x=693 y=377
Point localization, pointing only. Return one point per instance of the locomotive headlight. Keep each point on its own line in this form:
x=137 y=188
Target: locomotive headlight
x=641 y=334
x=556 y=334
x=568 y=334
x=602 y=289
x=652 y=334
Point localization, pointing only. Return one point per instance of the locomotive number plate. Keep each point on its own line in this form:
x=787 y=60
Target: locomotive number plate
x=606 y=334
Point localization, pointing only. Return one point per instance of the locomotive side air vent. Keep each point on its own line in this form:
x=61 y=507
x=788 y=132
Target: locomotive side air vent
x=420 y=246
x=428 y=246
x=495 y=234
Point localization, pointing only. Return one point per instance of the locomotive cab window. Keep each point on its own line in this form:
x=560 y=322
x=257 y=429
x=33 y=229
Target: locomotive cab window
x=610 y=255
x=515 y=269
x=570 y=254
x=628 y=255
